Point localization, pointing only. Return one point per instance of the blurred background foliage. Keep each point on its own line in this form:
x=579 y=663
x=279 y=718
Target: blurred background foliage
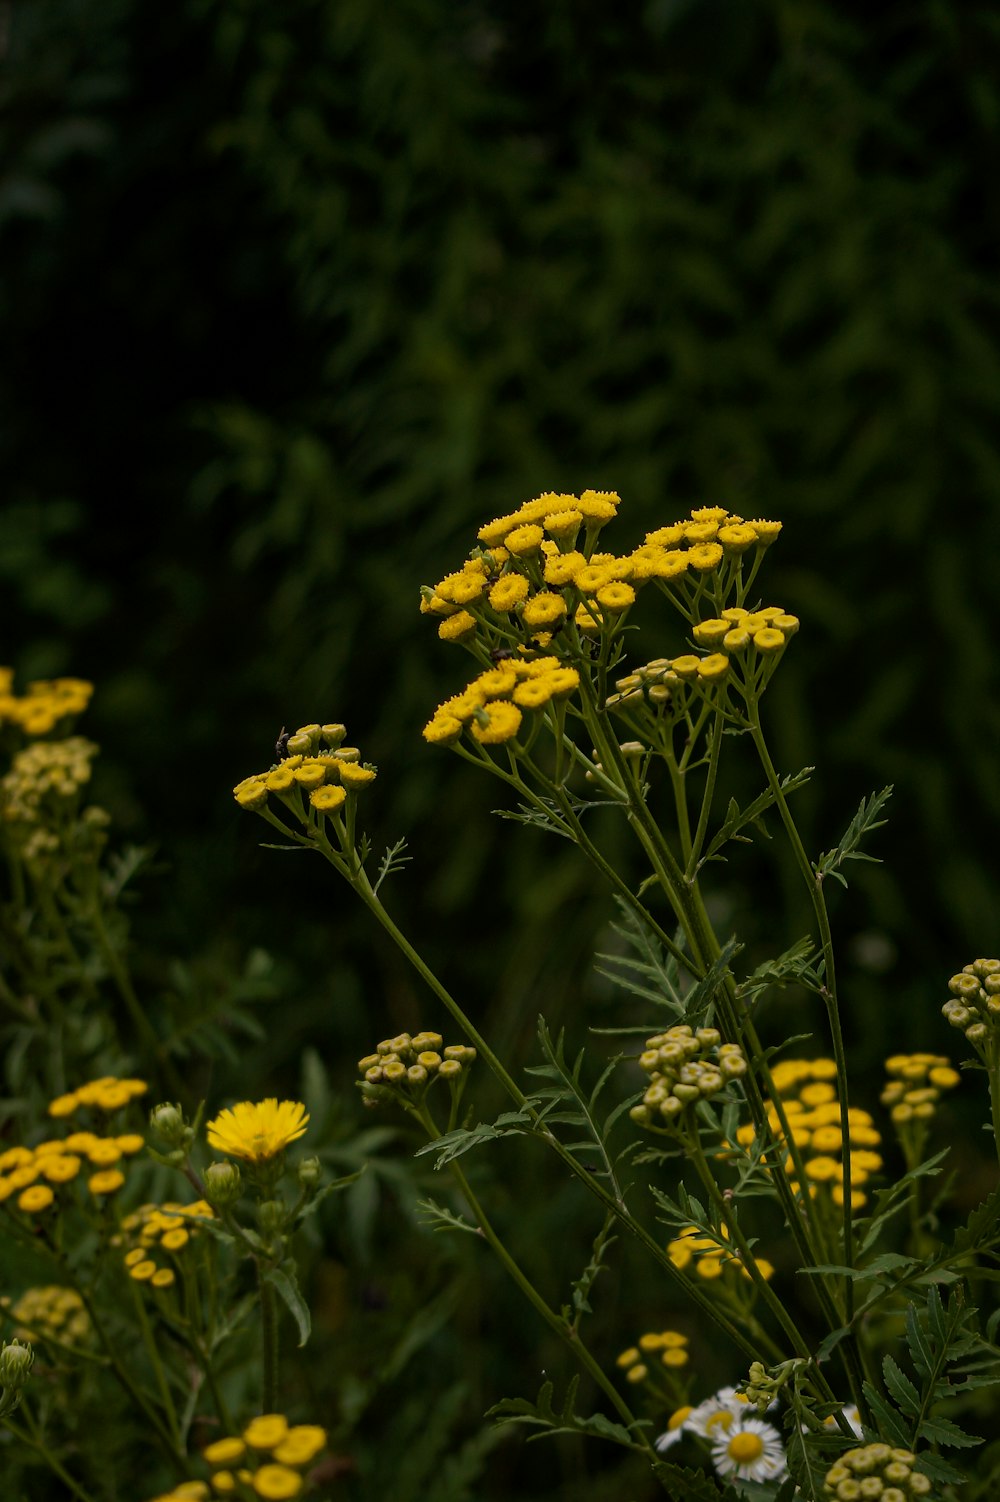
x=295 y=297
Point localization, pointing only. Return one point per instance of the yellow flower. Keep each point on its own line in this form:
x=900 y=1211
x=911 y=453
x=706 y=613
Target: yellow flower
x=768 y=639
x=265 y=1432
x=705 y=557
x=252 y=793
x=767 y=532
x=141 y=1271
x=710 y=633
x=258 y=1132
x=163 y=1278
x=280 y=780
x=503 y=723
x=715 y=666
x=458 y=627
x=563 y=523
x=353 y=775
x=104 y=1152
x=106 y=1182
x=35 y=1199
x=327 y=799
x=534 y=694
x=524 y=540
x=599 y=505
x=544 y=609
x=301 y=1444
x=592 y=577
x=615 y=597
x=61 y=1168
x=508 y=592
x=671 y=564
x=441 y=729
x=63 y=1105
x=562 y=568
x=224 y=1451
x=736 y=539
x=276 y=1482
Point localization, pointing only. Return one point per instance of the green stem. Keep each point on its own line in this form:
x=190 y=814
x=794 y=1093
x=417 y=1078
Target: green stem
x=707 y=798
x=994 y=1077
x=32 y=1438
x=814 y=886
x=156 y=1363
x=269 y=1341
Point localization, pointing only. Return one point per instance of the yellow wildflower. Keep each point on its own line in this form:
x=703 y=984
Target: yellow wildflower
x=327 y=799
x=544 y=609
x=276 y=1482
x=265 y=1432
x=503 y=723
x=257 y=1132
x=508 y=592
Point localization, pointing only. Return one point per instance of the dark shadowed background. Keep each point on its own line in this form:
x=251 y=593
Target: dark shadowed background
x=295 y=296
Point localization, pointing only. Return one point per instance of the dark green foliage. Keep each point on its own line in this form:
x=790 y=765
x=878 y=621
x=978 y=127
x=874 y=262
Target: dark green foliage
x=295 y=297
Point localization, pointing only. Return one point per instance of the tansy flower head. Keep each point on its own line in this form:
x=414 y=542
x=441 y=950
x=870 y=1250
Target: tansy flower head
x=258 y=1132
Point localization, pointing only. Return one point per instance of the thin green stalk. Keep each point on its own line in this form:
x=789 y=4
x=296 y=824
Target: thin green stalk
x=814 y=886
x=269 y=1341
x=554 y=1321
x=32 y=1438
x=156 y=1363
x=707 y=798
x=994 y=1077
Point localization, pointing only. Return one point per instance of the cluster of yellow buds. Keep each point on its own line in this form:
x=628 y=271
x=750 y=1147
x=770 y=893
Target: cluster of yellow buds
x=652 y=687
x=45 y=703
x=269 y=1457
x=44 y=777
x=160 y=1228
x=492 y=706
x=35 y=1174
x=52 y=1310
x=315 y=775
x=877 y=1472
x=975 y=1003
x=710 y=1260
x=752 y=641
x=668 y=1347
x=408 y=1065
x=685 y=1067
x=915 y=1085
x=812 y=1108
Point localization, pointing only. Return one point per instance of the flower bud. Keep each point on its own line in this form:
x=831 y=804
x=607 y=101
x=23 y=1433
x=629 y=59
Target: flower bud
x=309 y=1172
x=271 y=1215
x=223 y=1184
x=168 y=1123
x=333 y=735
x=16 y=1361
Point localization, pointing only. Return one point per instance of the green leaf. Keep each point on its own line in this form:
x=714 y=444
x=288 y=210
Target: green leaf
x=454 y=1144
x=864 y=822
x=900 y=1387
x=738 y=818
x=440 y=1218
x=287 y=1285
x=542 y=1415
x=682 y=1485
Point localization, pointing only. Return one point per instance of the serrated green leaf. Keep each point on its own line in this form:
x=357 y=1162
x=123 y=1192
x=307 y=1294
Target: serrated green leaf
x=737 y=818
x=900 y=1387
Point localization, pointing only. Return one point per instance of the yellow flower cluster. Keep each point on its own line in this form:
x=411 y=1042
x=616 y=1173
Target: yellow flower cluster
x=411 y=1064
x=810 y=1100
x=710 y=1260
x=310 y=780
x=492 y=706
x=269 y=1458
x=684 y=1067
x=35 y=1174
x=52 y=1310
x=45 y=703
x=530 y=555
x=975 y=1003
x=669 y=1347
x=258 y=1132
x=915 y=1085
x=168 y=1227
x=45 y=776
x=109 y=1093
x=877 y=1472
x=736 y=629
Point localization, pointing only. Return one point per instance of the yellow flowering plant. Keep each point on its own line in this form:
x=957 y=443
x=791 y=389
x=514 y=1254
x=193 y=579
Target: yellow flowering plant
x=856 y=1331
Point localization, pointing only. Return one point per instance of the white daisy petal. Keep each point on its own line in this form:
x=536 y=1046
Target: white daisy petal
x=750 y=1450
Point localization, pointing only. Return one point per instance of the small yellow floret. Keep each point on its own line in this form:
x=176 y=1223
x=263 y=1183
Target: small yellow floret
x=327 y=799
x=503 y=721
x=258 y=1131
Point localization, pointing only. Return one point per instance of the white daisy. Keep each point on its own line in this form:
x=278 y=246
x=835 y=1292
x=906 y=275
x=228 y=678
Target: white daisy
x=750 y=1450
x=674 y=1431
x=717 y=1414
